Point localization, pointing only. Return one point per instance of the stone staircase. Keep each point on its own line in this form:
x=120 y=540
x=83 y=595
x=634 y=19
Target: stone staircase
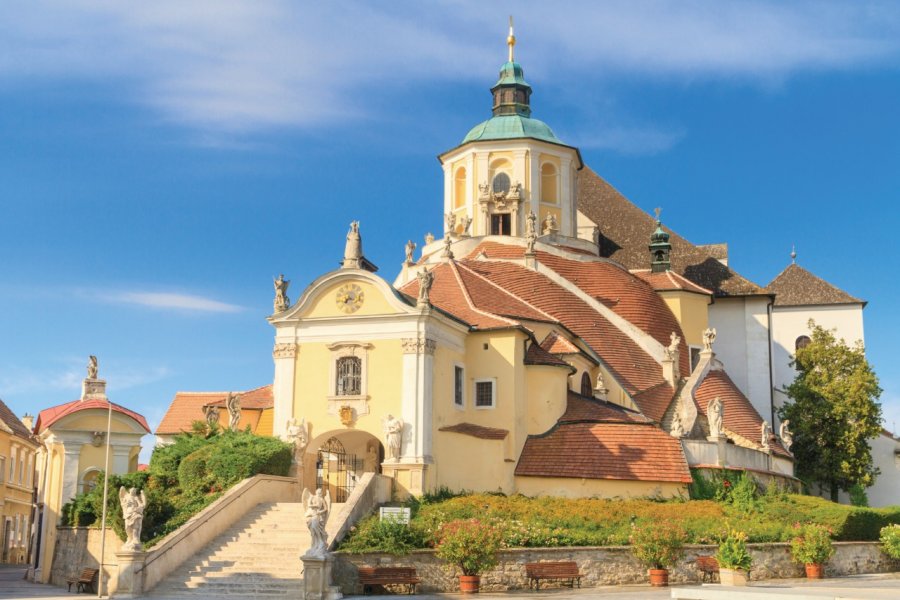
x=259 y=556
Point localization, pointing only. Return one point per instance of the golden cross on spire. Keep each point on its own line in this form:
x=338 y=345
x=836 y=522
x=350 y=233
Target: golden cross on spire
x=511 y=39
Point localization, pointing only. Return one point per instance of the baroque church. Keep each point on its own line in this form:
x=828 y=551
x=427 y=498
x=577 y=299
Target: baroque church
x=555 y=340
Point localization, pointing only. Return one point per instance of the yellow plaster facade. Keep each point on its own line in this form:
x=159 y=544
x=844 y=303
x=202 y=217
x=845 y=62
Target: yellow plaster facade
x=17 y=457
x=692 y=311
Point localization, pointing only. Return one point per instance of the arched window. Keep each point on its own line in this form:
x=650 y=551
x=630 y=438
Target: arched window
x=459 y=188
x=549 y=183
x=501 y=183
x=802 y=342
x=89 y=481
x=349 y=376
x=586 y=388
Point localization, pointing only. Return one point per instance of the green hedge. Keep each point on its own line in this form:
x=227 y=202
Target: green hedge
x=183 y=478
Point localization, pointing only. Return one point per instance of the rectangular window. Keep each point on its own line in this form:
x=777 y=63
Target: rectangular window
x=458 y=386
x=484 y=393
x=695 y=357
x=349 y=376
x=12 y=465
x=500 y=224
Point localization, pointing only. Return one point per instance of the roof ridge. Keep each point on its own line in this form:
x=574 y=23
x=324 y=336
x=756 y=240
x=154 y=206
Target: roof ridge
x=522 y=300
x=468 y=297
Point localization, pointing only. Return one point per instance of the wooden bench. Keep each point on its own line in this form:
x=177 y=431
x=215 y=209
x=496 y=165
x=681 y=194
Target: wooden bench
x=559 y=571
x=382 y=576
x=708 y=567
x=85 y=581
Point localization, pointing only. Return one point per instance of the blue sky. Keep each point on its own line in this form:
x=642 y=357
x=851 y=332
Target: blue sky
x=160 y=163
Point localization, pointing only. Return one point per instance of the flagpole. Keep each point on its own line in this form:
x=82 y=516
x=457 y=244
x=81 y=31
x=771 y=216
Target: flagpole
x=105 y=496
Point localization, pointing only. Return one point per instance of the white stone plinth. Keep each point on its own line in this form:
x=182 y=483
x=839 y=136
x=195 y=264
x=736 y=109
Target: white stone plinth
x=130 y=580
x=317 y=579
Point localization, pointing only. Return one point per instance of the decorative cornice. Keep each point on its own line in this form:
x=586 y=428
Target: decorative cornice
x=284 y=350
x=419 y=346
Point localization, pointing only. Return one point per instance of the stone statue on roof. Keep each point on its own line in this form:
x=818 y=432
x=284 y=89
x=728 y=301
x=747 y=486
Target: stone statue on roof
x=233 y=403
x=410 y=248
x=715 y=413
x=282 y=302
x=92 y=368
x=450 y=221
x=672 y=350
x=448 y=242
x=550 y=224
x=765 y=431
x=466 y=224
x=530 y=232
x=425 y=278
x=709 y=337
x=353 y=247
x=429 y=237
x=212 y=415
x=787 y=438
x=677 y=426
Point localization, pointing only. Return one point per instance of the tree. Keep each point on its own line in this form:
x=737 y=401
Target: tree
x=834 y=412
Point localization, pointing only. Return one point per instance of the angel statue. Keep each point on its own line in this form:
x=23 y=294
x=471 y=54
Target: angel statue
x=316 y=510
x=410 y=248
x=709 y=337
x=787 y=438
x=393 y=432
x=282 y=302
x=133 y=512
x=426 y=279
x=92 y=367
x=233 y=403
x=297 y=434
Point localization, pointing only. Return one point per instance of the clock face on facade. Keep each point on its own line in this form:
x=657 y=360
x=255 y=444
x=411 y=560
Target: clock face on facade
x=349 y=298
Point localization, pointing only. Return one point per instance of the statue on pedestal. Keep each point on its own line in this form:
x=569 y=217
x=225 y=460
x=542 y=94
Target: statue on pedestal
x=715 y=413
x=466 y=224
x=549 y=224
x=133 y=506
x=298 y=435
x=92 y=367
x=317 y=508
x=353 y=248
x=426 y=279
x=787 y=438
x=450 y=222
x=282 y=302
x=530 y=232
x=448 y=242
x=765 y=431
x=671 y=350
x=709 y=337
x=410 y=248
x=393 y=432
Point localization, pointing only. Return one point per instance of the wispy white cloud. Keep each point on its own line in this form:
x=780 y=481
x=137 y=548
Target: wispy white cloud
x=163 y=300
x=636 y=140
x=20 y=380
x=238 y=66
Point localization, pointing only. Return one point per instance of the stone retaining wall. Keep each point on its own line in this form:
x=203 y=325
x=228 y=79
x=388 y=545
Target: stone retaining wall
x=607 y=565
x=78 y=548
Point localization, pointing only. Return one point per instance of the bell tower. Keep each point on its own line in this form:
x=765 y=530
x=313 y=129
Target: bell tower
x=509 y=166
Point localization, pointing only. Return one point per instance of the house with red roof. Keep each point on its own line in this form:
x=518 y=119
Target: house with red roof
x=255 y=412
x=79 y=438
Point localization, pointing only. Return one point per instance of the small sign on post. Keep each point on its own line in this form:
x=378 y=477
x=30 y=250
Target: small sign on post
x=395 y=513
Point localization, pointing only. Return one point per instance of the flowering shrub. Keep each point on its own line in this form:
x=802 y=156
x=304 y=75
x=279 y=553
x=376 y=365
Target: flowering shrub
x=733 y=553
x=471 y=545
x=890 y=540
x=658 y=545
x=812 y=544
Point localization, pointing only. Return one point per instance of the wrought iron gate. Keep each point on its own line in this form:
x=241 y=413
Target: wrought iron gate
x=336 y=471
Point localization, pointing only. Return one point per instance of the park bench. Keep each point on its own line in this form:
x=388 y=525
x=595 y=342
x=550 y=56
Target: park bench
x=559 y=571
x=382 y=576
x=85 y=581
x=708 y=567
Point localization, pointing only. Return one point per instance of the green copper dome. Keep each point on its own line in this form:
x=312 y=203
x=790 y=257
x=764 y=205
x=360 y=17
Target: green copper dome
x=507 y=127
x=512 y=73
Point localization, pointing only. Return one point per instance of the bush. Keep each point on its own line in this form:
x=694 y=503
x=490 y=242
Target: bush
x=733 y=553
x=812 y=545
x=389 y=535
x=658 y=545
x=890 y=541
x=471 y=545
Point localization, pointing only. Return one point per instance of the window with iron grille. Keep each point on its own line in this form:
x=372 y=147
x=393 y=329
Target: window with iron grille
x=349 y=376
x=458 y=386
x=484 y=394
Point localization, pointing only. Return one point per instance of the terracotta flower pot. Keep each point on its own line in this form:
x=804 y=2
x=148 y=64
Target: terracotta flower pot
x=815 y=571
x=659 y=577
x=735 y=577
x=469 y=584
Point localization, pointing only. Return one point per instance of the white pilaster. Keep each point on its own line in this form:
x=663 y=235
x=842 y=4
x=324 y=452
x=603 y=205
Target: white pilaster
x=418 y=364
x=471 y=186
x=70 y=471
x=119 y=459
x=567 y=199
x=448 y=188
x=285 y=357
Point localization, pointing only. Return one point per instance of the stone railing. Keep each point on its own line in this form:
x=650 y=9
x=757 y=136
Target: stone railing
x=371 y=491
x=203 y=527
x=703 y=453
x=607 y=565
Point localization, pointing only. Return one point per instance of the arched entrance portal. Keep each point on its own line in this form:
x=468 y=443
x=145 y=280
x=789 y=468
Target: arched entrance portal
x=341 y=461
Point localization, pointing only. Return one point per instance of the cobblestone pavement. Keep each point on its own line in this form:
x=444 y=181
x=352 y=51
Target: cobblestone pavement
x=13 y=586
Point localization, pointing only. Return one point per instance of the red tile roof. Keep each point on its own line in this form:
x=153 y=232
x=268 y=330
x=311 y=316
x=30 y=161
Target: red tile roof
x=187 y=407
x=670 y=280
x=605 y=451
x=49 y=416
x=583 y=409
x=738 y=414
x=535 y=355
x=477 y=431
x=557 y=344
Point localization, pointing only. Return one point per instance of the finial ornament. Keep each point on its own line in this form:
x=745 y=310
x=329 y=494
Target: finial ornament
x=511 y=39
x=657 y=211
x=793 y=254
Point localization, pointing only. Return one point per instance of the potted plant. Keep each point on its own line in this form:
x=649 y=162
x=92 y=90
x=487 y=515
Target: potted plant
x=812 y=547
x=658 y=546
x=471 y=545
x=734 y=559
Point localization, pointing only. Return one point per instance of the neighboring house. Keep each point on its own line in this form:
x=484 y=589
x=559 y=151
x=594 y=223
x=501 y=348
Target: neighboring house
x=74 y=439
x=18 y=448
x=187 y=407
x=511 y=356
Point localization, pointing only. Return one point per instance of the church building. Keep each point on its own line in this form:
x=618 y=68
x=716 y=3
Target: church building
x=514 y=353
